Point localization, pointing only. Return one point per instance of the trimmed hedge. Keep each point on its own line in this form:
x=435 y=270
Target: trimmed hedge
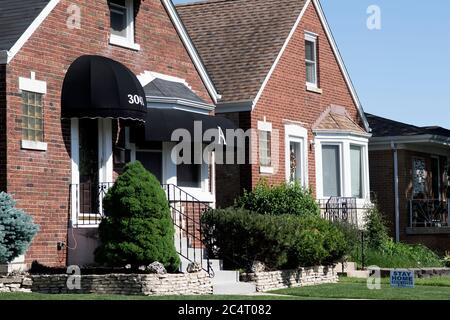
x=280 y=242
x=282 y=199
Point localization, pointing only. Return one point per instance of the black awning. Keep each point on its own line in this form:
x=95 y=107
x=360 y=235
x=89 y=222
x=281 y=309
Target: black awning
x=161 y=123
x=98 y=87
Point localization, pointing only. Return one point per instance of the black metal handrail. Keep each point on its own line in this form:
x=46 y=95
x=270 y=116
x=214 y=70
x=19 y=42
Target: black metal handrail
x=88 y=201
x=429 y=213
x=340 y=209
x=189 y=233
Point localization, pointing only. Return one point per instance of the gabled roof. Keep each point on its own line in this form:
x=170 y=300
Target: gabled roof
x=242 y=41
x=239 y=40
x=20 y=19
x=16 y=17
x=336 y=119
x=382 y=127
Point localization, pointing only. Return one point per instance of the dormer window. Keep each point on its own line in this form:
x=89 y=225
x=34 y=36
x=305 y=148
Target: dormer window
x=122 y=23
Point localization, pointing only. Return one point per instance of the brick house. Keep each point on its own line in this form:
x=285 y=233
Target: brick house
x=409 y=175
x=279 y=71
x=58 y=158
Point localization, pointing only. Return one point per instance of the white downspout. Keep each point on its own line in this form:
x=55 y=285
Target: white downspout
x=397 y=197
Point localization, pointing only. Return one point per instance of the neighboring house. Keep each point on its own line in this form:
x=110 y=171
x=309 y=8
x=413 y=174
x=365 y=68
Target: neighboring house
x=409 y=174
x=279 y=71
x=85 y=87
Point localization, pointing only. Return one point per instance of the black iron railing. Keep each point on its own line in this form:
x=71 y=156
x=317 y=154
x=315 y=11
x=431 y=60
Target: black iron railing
x=186 y=213
x=340 y=209
x=87 y=202
x=429 y=213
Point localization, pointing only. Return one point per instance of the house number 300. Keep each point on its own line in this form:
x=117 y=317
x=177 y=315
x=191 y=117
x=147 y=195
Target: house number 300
x=135 y=99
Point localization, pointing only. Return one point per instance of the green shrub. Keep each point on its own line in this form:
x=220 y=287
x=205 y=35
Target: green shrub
x=401 y=255
x=138 y=227
x=280 y=242
x=278 y=200
x=446 y=259
x=17 y=229
x=376 y=231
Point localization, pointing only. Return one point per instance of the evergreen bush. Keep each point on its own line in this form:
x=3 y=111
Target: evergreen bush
x=17 y=229
x=138 y=227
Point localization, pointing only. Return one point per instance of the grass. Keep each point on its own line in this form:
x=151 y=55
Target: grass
x=61 y=297
x=349 y=288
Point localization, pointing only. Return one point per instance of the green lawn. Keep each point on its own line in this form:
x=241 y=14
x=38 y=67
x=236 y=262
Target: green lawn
x=348 y=288
x=38 y=296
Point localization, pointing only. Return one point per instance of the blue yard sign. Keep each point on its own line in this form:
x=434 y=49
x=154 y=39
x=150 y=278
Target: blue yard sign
x=402 y=278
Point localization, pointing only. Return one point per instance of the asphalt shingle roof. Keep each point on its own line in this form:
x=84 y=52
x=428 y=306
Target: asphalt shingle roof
x=15 y=17
x=239 y=40
x=382 y=127
x=169 y=89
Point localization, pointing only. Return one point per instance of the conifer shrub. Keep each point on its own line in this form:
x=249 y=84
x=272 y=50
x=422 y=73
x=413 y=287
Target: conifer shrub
x=137 y=228
x=17 y=229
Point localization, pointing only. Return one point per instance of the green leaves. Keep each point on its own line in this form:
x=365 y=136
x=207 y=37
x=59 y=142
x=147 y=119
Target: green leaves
x=279 y=200
x=138 y=228
x=17 y=229
x=280 y=242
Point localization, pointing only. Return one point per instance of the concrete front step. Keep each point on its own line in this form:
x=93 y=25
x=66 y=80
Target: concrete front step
x=236 y=288
x=222 y=276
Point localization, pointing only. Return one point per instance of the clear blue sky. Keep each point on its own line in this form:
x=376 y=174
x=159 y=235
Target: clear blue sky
x=403 y=70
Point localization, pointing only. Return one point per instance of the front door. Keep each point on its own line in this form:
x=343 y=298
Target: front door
x=88 y=166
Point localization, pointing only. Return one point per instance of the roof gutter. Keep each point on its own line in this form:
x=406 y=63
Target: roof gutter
x=425 y=138
x=4 y=54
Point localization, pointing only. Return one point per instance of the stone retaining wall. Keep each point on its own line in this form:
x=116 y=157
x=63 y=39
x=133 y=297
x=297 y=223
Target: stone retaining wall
x=126 y=284
x=15 y=284
x=266 y=281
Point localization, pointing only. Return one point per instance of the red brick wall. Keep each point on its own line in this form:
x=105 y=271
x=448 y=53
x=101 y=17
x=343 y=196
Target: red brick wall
x=2 y=127
x=381 y=168
x=286 y=98
x=232 y=179
x=382 y=185
x=40 y=180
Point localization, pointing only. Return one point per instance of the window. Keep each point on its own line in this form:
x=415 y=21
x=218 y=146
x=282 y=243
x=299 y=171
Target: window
x=32 y=117
x=331 y=170
x=311 y=60
x=295 y=161
x=356 y=157
x=189 y=175
x=122 y=23
x=265 y=148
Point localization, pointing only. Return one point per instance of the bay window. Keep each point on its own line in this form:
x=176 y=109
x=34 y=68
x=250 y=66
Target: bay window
x=331 y=170
x=342 y=166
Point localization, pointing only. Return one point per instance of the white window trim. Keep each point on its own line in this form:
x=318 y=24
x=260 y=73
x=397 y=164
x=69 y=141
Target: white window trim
x=296 y=133
x=105 y=162
x=128 y=41
x=345 y=141
x=169 y=176
x=267 y=127
x=310 y=86
x=39 y=87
